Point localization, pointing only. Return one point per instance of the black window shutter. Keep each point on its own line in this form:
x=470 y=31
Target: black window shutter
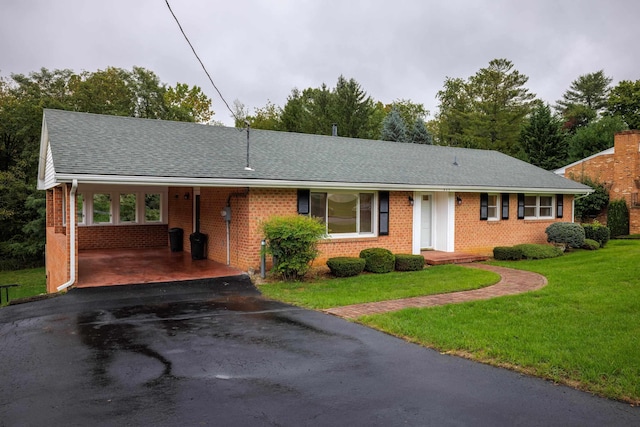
x=559 y=205
x=384 y=213
x=520 y=206
x=304 y=197
x=484 y=206
x=504 y=198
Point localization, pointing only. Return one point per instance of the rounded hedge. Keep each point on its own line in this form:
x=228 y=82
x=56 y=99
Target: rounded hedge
x=534 y=251
x=566 y=233
x=590 y=244
x=507 y=253
x=345 y=266
x=378 y=260
x=409 y=262
x=597 y=232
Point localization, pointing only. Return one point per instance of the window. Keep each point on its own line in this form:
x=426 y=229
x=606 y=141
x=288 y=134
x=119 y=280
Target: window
x=538 y=207
x=152 y=205
x=344 y=213
x=127 y=207
x=80 y=208
x=101 y=208
x=489 y=206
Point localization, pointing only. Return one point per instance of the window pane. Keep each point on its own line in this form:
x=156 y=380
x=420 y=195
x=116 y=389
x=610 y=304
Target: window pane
x=366 y=200
x=101 y=208
x=152 y=207
x=319 y=206
x=127 y=208
x=545 y=211
x=342 y=213
x=546 y=201
x=492 y=206
x=80 y=208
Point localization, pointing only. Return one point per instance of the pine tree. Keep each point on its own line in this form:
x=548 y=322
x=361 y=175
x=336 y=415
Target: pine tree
x=542 y=139
x=393 y=127
x=419 y=133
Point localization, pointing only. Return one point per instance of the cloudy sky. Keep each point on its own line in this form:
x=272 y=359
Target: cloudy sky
x=259 y=50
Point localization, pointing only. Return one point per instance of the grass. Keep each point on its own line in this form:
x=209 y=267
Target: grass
x=32 y=282
x=582 y=329
x=379 y=287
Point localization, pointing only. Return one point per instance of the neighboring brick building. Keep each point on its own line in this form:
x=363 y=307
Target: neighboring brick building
x=618 y=168
x=117 y=182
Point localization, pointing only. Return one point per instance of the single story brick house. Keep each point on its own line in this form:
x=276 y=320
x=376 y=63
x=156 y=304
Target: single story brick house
x=120 y=182
x=618 y=168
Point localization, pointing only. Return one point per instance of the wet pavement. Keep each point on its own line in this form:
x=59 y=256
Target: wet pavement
x=216 y=353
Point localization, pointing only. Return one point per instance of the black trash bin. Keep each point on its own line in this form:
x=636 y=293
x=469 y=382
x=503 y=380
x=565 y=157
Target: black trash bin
x=198 y=245
x=175 y=239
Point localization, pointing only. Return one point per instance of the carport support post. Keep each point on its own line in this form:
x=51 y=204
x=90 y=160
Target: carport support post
x=263 y=261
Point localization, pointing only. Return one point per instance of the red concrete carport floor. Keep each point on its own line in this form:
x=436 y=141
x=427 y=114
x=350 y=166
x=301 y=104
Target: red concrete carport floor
x=107 y=267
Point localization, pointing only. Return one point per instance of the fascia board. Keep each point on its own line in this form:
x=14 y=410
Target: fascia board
x=264 y=183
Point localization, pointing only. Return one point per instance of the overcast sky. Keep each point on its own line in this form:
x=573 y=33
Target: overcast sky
x=259 y=50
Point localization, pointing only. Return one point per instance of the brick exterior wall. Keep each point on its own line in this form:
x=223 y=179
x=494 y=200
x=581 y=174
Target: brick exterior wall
x=181 y=212
x=122 y=236
x=620 y=172
x=58 y=245
x=480 y=237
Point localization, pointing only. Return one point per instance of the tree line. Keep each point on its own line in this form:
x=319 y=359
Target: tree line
x=492 y=109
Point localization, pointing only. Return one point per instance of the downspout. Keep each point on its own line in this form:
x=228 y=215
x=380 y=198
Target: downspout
x=72 y=235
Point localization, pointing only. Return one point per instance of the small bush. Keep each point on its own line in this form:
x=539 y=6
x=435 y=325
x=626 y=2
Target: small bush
x=590 y=244
x=409 y=262
x=292 y=240
x=345 y=266
x=531 y=251
x=507 y=253
x=378 y=260
x=597 y=232
x=568 y=234
x=618 y=218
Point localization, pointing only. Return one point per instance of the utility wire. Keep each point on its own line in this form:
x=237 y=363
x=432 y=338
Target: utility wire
x=200 y=61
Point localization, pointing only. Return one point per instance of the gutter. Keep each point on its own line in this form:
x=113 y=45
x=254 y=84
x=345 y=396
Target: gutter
x=72 y=244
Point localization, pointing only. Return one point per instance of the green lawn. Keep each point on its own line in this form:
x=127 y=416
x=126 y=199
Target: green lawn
x=32 y=282
x=583 y=329
x=379 y=287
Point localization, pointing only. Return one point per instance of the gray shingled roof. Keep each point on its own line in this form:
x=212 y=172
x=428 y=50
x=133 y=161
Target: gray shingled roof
x=91 y=144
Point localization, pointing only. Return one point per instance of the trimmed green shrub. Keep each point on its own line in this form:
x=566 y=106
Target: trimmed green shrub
x=507 y=253
x=345 y=266
x=597 y=232
x=378 y=260
x=568 y=234
x=292 y=240
x=531 y=251
x=590 y=244
x=409 y=262
x=618 y=218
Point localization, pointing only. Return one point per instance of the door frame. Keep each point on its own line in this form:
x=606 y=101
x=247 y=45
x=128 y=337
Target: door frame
x=442 y=220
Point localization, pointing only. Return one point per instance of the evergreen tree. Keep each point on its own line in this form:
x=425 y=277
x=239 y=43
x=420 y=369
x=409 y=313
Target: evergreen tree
x=585 y=99
x=595 y=137
x=393 y=127
x=419 y=133
x=542 y=139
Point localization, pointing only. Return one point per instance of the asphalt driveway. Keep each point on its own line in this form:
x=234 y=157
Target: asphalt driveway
x=203 y=354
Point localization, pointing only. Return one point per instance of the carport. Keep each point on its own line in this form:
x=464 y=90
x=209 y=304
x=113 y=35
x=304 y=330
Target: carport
x=108 y=267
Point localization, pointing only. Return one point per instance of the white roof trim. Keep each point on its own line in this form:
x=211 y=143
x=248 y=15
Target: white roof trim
x=561 y=171
x=265 y=183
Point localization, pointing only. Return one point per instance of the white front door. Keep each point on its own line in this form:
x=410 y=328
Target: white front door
x=425 y=222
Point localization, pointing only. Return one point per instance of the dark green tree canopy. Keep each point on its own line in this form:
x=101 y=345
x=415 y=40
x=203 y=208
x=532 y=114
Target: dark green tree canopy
x=624 y=102
x=543 y=140
x=595 y=137
x=585 y=99
x=419 y=134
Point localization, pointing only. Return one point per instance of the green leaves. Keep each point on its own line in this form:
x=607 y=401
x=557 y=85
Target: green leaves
x=543 y=140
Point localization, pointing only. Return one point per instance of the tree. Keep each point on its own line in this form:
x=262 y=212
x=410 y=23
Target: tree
x=594 y=203
x=419 y=133
x=102 y=92
x=542 y=139
x=393 y=127
x=590 y=90
x=352 y=109
x=624 y=102
x=584 y=100
x=188 y=104
x=485 y=111
x=595 y=137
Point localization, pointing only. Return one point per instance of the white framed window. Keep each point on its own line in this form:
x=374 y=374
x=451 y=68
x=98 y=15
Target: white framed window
x=80 y=215
x=538 y=206
x=127 y=211
x=102 y=208
x=121 y=205
x=492 y=207
x=344 y=213
x=153 y=207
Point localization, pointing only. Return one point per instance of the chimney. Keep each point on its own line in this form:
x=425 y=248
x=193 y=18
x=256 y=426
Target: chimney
x=334 y=130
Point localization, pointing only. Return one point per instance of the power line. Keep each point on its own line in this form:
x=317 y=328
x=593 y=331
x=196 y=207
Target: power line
x=200 y=61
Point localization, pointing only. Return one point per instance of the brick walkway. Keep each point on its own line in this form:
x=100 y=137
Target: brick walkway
x=512 y=282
